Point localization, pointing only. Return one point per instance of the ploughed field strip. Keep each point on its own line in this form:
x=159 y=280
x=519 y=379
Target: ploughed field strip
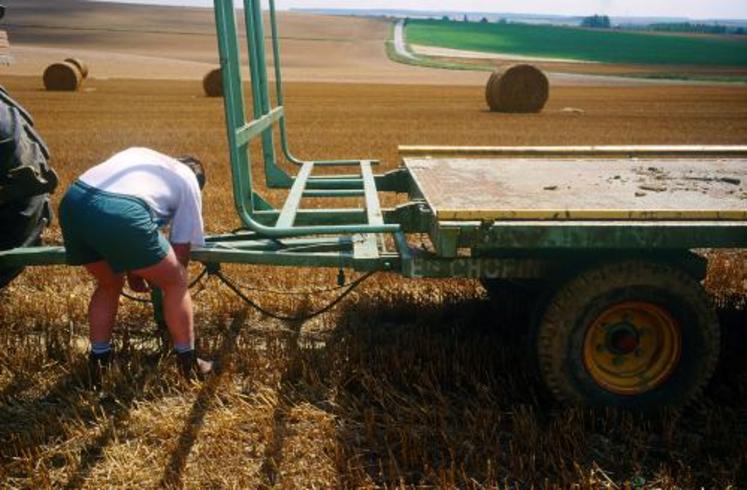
x=582 y=189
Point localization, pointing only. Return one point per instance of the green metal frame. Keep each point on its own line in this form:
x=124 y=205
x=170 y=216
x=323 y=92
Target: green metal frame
x=449 y=237
x=355 y=237
x=265 y=117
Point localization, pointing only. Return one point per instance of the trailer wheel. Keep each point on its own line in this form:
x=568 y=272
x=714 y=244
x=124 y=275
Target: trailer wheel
x=633 y=334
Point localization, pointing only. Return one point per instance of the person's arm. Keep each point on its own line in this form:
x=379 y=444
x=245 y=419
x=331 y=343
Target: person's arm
x=186 y=225
x=181 y=250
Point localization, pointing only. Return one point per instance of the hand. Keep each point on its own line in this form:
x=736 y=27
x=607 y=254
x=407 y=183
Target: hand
x=181 y=250
x=137 y=283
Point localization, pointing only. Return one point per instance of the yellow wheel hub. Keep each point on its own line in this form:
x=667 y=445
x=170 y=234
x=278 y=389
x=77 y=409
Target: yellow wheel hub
x=632 y=347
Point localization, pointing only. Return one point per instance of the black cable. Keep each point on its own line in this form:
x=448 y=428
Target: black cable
x=236 y=288
x=291 y=292
x=233 y=287
x=198 y=278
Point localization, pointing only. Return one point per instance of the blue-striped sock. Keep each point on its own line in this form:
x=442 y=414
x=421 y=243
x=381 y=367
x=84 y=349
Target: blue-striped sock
x=99 y=347
x=185 y=347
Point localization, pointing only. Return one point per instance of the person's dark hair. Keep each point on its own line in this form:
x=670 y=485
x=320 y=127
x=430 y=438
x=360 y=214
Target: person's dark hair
x=195 y=165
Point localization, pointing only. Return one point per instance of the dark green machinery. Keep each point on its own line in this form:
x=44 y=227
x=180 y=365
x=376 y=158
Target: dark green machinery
x=601 y=236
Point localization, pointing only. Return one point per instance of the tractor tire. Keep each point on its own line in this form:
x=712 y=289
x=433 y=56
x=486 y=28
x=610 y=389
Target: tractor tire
x=634 y=334
x=26 y=181
x=24 y=228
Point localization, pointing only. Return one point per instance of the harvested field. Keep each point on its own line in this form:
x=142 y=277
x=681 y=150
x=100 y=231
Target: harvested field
x=147 y=41
x=405 y=384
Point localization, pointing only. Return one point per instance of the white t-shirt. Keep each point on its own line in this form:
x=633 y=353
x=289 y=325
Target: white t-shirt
x=168 y=186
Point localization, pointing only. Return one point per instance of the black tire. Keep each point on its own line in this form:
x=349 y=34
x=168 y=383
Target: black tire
x=561 y=334
x=23 y=227
x=26 y=180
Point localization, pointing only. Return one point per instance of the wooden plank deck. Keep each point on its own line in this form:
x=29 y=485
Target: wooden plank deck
x=583 y=189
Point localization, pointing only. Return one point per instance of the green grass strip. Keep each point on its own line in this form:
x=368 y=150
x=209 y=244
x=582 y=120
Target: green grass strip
x=605 y=46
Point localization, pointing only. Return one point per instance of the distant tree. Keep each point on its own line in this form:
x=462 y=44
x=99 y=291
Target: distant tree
x=484 y=20
x=445 y=18
x=503 y=20
x=596 y=22
x=688 y=27
x=739 y=31
x=466 y=19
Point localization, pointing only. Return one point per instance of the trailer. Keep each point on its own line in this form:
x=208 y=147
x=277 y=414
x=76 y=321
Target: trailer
x=601 y=237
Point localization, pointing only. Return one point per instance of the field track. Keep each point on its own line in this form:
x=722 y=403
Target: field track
x=405 y=383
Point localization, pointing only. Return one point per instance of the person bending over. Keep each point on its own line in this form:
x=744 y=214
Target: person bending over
x=110 y=218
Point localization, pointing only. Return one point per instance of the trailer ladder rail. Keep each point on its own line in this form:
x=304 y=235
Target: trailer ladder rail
x=241 y=133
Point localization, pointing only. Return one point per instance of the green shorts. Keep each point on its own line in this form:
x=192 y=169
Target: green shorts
x=120 y=229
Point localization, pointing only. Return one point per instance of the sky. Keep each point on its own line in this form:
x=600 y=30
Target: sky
x=695 y=9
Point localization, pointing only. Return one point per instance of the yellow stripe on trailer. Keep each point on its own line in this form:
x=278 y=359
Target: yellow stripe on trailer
x=589 y=214
x=575 y=151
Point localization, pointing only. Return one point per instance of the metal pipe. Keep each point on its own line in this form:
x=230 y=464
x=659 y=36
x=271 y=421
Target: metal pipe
x=236 y=120
x=251 y=44
x=284 y=143
x=268 y=145
x=233 y=97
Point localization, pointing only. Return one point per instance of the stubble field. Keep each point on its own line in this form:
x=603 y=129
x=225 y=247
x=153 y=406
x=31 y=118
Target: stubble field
x=405 y=384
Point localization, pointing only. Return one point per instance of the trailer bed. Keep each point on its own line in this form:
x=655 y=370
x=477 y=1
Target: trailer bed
x=635 y=189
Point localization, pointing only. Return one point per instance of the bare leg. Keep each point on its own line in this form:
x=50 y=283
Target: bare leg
x=171 y=277
x=102 y=310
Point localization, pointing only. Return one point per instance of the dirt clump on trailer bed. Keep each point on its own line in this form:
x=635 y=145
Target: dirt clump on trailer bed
x=406 y=383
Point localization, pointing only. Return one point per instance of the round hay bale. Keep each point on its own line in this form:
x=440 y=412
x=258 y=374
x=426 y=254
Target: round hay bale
x=489 y=88
x=517 y=88
x=213 y=83
x=82 y=66
x=62 y=76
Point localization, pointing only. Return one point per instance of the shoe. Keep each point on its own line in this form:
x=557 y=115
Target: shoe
x=193 y=367
x=98 y=365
